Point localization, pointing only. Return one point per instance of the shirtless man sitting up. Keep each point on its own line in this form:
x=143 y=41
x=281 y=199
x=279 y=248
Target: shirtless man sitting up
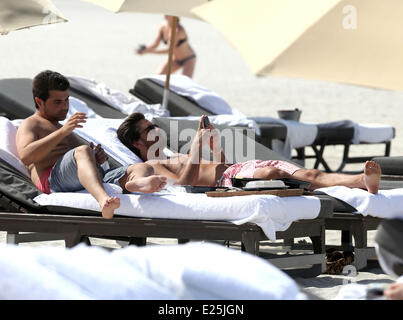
x=59 y=163
x=189 y=169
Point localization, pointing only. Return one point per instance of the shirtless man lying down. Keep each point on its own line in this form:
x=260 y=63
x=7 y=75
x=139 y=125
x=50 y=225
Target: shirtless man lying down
x=188 y=169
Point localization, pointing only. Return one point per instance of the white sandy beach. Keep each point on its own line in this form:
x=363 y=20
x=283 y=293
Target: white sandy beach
x=99 y=45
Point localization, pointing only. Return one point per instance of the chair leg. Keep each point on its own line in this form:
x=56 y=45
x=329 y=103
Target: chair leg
x=387 y=148
x=288 y=242
x=345 y=158
x=346 y=239
x=319 y=242
x=12 y=237
x=86 y=240
x=360 y=235
x=138 y=241
x=319 y=157
x=250 y=243
x=72 y=239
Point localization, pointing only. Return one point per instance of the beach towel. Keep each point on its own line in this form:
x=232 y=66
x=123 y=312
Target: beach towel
x=117 y=99
x=226 y=120
x=8 y=147
x=271 y=213
x=204 y=97
x=385 y=204
x=299 y=134
x=77 y=105
x=191 y=271
x=372 y=133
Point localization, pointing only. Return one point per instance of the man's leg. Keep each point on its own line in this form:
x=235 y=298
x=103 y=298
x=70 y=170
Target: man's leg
x=140 y=177
x=89 y=178
x=368 y=180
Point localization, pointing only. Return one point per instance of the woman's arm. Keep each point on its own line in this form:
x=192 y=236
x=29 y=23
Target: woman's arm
x=153 y=47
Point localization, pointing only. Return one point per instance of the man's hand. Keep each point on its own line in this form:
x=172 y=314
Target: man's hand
x=202 y=134
x=74 y=122
x=99 y=152
x=214 y=141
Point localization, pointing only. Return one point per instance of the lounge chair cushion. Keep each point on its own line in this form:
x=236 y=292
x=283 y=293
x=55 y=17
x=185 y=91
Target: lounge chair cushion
x=347 y=131
x=17 y=186
x=186 y=87
x=16 y=100
x=390 y=165
x=384 y=204
x=8 y=148
x=178 y=105
x=271 y=213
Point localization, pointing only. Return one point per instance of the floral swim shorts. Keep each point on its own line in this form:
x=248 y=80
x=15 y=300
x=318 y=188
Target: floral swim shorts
x=248 y=168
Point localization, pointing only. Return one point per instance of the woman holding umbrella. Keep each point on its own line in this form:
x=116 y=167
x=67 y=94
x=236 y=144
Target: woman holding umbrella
x=183 y=56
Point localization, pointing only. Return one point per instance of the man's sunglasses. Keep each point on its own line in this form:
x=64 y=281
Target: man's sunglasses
x=149 y=128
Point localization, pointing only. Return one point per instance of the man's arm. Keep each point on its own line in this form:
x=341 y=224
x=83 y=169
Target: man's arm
x=215 y=143
x=215 y=146
x=190 y=173
x=31 y=149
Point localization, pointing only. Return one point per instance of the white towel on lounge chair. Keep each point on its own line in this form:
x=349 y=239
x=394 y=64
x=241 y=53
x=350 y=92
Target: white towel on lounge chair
x=299 y=134
x=103 y=131
x=204 y=97
x=385 y=204
x=157 y=272
x=271 y=213
x=372 y=133
x=227 y=120
x=8 y=147
x=77 y=105
x=117 y=99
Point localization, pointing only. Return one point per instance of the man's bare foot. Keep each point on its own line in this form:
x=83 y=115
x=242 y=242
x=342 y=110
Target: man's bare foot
x=148 y=184
x=108 y=206
x=372 y=176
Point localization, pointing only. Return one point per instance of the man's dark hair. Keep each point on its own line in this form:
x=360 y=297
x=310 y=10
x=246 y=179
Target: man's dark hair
x=48 y=80
x=128 y=131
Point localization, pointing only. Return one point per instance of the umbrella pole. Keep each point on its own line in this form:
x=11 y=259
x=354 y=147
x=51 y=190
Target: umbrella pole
x=170 y=54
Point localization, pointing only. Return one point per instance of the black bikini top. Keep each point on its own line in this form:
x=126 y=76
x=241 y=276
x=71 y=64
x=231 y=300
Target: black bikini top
x=180 y=42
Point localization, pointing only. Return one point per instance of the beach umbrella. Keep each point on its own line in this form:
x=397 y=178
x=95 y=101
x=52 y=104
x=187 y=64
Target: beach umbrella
x=175 y=8
x=19 y=14
x=355 y=41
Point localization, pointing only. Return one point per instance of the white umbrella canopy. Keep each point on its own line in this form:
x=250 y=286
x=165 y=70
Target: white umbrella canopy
x=19 y=14
x=355 y=41
x=175 y=8
x=179 y=8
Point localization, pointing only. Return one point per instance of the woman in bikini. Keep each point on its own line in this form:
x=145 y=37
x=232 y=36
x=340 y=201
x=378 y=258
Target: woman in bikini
x=183 y=55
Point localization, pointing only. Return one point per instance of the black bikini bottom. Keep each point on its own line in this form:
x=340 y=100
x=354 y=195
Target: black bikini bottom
x=182 y=61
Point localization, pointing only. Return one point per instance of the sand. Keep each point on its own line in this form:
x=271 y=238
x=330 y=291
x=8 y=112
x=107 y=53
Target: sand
x=99 y=45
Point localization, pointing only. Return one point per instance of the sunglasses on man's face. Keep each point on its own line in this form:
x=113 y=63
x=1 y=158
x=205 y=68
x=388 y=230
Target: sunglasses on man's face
x=149 y=128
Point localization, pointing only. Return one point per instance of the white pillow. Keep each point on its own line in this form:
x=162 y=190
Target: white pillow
x=103 y=131
x=77 y=105
x=8 y=147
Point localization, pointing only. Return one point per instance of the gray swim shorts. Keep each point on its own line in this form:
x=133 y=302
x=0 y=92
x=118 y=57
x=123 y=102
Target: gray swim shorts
x=64 y=178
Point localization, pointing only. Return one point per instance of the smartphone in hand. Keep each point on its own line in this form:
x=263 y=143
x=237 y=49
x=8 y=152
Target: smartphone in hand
x=206 y=122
